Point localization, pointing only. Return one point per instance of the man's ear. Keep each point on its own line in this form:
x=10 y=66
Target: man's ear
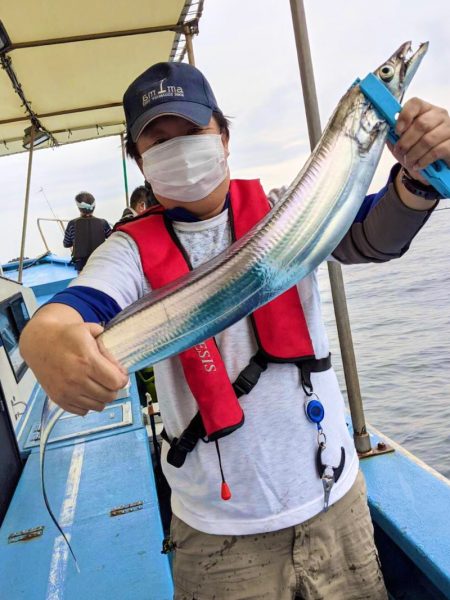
x=225 y=140
x=140 y=164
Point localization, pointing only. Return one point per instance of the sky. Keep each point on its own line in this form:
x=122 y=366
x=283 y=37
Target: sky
x=247 y=52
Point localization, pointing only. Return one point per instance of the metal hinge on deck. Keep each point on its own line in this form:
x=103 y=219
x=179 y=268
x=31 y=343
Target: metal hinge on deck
x=25 y=535
x=380 y=448
x=126 y=508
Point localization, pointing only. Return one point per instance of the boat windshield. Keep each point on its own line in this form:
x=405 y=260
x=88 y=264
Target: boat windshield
x=13 y=318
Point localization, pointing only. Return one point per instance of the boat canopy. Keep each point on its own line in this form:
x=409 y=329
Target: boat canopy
x=66 y=65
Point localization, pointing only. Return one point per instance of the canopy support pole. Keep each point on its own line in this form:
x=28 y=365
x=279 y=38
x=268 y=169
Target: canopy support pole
x=189 y=46
x=361 y=437
x=124 y=165
x=27 y=199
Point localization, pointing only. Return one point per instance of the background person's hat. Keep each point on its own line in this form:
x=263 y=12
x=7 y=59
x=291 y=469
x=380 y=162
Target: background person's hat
x=168 y=89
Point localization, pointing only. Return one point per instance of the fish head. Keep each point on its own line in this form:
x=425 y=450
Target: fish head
x=397 y=72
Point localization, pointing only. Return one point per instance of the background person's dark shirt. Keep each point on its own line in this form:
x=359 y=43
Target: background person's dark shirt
x=84 y=235
x=69 y=236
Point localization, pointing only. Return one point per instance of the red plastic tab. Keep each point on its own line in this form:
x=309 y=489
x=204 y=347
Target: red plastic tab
x=225 y=491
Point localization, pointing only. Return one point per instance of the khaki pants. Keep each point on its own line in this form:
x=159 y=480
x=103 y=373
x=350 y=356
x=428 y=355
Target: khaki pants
x=330 y=557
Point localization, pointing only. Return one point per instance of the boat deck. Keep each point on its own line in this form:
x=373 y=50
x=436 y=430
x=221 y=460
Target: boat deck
x=100 y=484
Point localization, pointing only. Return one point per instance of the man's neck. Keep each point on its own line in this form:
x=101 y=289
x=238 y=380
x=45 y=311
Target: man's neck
x=181 y=213
x=213 y=213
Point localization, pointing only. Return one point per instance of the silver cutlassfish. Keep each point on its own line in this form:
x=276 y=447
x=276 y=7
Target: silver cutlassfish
x=290 y=242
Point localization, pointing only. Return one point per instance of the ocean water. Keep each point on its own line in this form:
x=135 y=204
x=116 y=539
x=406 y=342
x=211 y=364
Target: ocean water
x=400 y=316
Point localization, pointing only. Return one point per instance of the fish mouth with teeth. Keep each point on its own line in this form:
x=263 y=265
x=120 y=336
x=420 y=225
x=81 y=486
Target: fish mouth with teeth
x=398 y=70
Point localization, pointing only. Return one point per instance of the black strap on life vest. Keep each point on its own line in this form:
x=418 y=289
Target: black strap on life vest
x=245 y=382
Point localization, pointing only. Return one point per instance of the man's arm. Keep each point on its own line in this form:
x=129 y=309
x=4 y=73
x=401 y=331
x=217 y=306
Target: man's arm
x=69 y=235
x=389 y=221
x=383 y=228
x=61 y=348
x=62 y=352
x=106 y=228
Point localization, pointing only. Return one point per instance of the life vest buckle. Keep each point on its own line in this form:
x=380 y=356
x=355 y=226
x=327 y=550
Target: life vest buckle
x=248 y=377
x=179 y=448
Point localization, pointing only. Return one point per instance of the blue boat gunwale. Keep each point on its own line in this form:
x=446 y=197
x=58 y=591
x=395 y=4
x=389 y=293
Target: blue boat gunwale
x=409 y=501
x=49 y=281
x=47 y=257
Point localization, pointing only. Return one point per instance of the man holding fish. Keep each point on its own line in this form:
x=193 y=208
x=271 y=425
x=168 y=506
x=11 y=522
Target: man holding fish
x=253 y=517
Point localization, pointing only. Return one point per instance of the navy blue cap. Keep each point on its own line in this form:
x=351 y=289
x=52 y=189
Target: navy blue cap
x=168 y=88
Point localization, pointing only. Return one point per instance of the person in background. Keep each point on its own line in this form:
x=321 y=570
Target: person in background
x=277 y=531
x=276 y=194
x=138 y=203
x=87 y=232
x=152 y=201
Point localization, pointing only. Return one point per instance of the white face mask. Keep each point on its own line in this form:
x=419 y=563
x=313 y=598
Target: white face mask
x=186 y=168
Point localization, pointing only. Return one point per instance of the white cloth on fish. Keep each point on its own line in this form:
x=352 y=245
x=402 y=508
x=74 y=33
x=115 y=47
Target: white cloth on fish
x=269 y=463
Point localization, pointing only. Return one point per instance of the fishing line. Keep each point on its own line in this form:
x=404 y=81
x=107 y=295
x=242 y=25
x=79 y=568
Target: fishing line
x=51 y=513
x=49 y=205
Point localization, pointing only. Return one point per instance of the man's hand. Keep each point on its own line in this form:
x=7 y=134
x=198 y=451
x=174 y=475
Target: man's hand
x=63 y=353
x=424 y=132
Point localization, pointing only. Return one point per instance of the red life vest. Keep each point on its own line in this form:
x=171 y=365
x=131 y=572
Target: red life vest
x=280 y=326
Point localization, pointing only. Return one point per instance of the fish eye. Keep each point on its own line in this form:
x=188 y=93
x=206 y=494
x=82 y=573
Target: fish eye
x=387 y=72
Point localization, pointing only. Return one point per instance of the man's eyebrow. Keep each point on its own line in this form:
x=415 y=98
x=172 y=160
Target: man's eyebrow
x=156 y=129
x=152 y=129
